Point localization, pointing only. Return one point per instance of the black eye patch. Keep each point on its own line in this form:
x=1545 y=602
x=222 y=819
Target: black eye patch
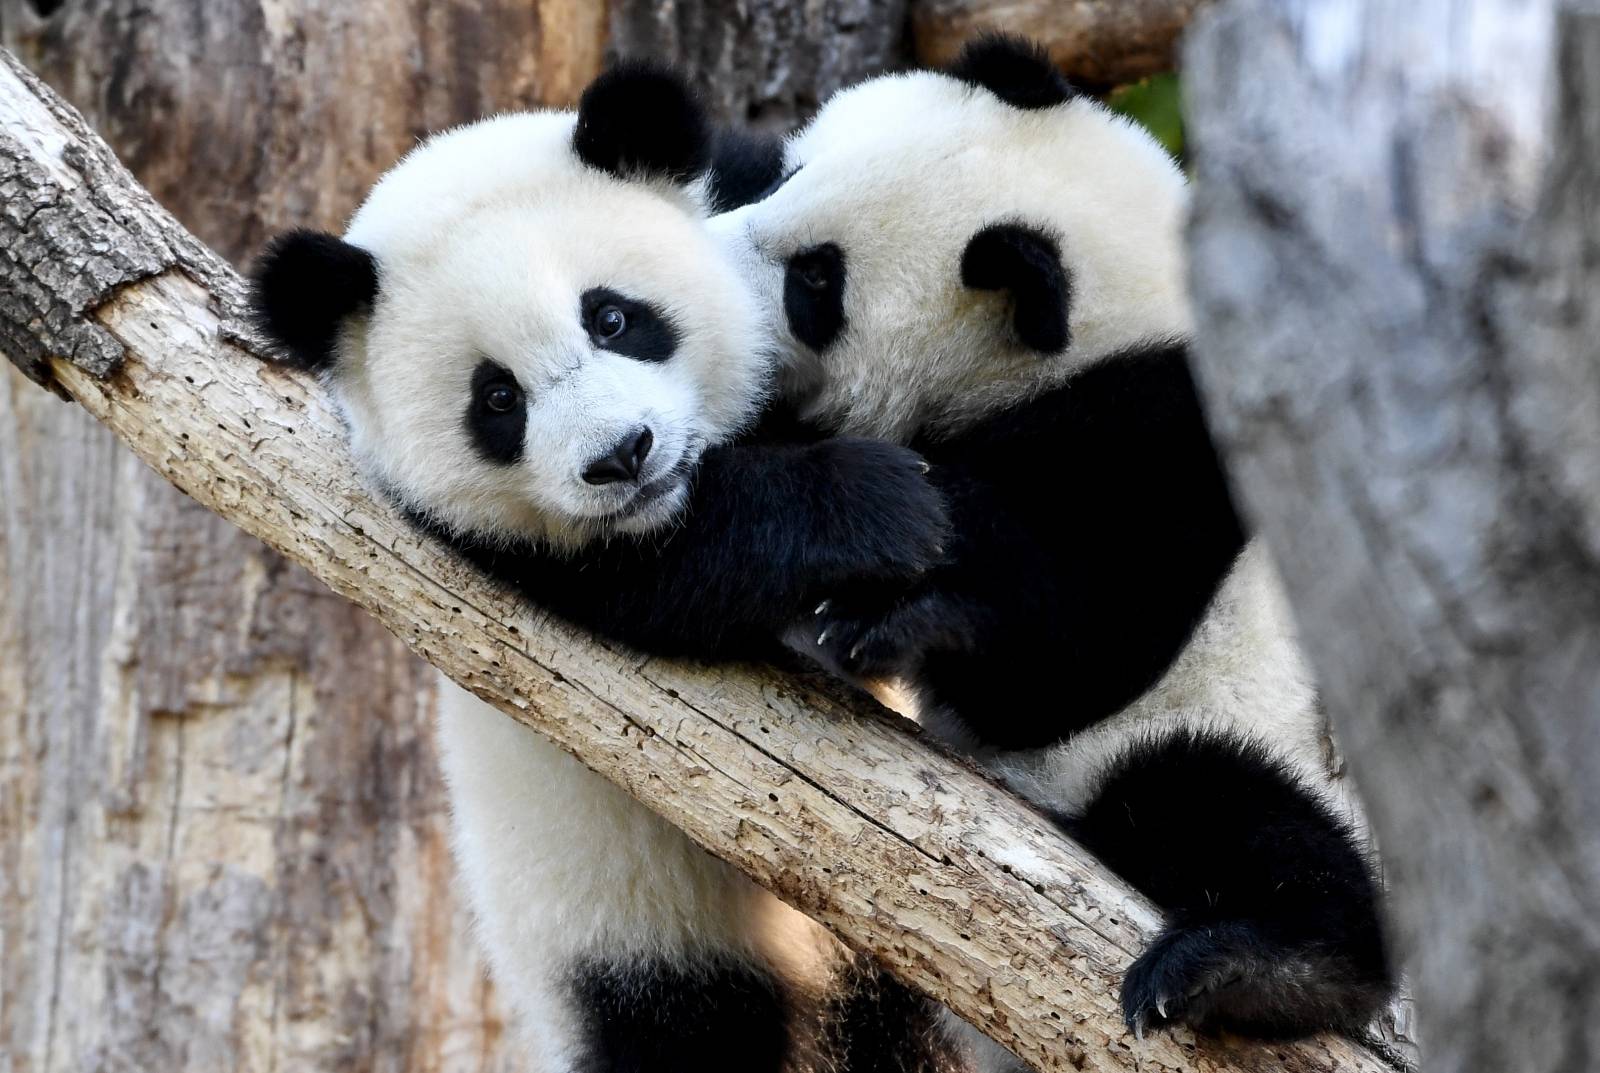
x=497 y=414
x=776 y=185
x=813 y=295
x=626 y=326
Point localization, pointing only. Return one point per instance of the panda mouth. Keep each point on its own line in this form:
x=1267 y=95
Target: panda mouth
x=661 y=487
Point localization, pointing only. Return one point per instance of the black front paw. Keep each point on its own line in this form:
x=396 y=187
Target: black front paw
x=887 y=525
x=1231 y=977
x=863 y=640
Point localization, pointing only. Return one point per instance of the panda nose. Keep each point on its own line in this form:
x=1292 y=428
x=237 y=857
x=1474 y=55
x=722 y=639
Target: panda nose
x=622 y=462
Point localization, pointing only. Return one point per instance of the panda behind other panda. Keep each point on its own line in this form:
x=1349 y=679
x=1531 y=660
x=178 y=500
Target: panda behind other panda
x=542 y=358
x=988 y=267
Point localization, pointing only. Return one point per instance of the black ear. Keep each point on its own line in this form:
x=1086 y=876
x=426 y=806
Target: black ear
x=1025 y=263
x=642 y=119
x=1016 y=70
x=304 y=284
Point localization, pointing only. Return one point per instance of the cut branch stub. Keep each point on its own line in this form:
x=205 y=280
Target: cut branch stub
x=74 y=227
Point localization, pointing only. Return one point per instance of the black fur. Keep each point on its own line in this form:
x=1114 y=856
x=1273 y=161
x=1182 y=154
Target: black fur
x=1092 y=528
x=770 y=528
x=1273 y=928
x=1016 y=70
x=1025 y=263
x=872 y=1023
x=641 y=119
x=725 y=1016
x=813 y=295
x=497 y=437
x=650 y=335
x=304 y=284
x=745 y=167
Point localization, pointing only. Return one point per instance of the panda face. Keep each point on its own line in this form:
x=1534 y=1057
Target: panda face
x=904 y=262
x=549 y=347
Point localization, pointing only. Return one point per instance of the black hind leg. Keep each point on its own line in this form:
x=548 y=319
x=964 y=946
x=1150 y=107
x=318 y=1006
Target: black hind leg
x=1273 y=927
x=872 y=1023
x=713 y=1015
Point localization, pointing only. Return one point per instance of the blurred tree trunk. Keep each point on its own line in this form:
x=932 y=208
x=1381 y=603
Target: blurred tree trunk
x=222 y=830
x=1396 y=267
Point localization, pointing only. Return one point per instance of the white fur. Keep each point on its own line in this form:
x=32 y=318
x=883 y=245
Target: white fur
x=900 y=172
x=485 y=238
x=561 y=865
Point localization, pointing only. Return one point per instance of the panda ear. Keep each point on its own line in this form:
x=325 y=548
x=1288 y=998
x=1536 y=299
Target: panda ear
x=1016 y=70
x=303 y=287
x=1026 y=264
x=641 y=119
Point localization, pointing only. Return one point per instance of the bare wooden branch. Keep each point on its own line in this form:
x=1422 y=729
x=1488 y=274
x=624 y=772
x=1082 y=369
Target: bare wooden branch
x=1397 y=268
x=901 y=850
x=1098 y=43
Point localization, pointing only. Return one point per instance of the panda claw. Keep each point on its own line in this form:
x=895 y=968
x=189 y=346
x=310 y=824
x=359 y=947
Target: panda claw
x=926 y=467
x=1161 y=1008
x=822 y=638
x=855 y=652
x=822 y=608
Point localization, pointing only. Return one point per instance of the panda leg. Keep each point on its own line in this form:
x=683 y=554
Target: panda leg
x=1273 y=921
x=621 y=946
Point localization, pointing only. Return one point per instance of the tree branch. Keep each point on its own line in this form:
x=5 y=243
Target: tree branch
x=1396 y=267
x=1100 y=44
x=903 y=851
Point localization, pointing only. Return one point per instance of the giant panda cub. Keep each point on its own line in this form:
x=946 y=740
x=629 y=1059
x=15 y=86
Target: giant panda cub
x=542 y=358
x=984 y=265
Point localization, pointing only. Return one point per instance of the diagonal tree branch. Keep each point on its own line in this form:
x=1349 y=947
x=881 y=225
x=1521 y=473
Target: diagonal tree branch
x=903 y=851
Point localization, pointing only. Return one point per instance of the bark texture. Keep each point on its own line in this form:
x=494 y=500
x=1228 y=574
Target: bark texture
x=222 y=830
x=765 y=62
x=1396 y=260
x=904 y=852
x=1100 y=44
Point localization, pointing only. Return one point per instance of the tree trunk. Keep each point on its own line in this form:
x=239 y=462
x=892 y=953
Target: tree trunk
x=222 y=829
x=1397 y=268
x=907 y=854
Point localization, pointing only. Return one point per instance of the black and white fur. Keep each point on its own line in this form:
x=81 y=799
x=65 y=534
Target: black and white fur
x=987 y=266
x=542 y=358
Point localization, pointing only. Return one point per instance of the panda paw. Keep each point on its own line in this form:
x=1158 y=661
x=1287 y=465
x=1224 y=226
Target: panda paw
x=886 y=524
x=1173 y=982
x=1229 y=977
x=865 y=642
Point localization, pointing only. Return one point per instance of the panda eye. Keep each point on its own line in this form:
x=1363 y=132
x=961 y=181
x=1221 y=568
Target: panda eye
x=813 y=275
x=609 y=322
x=500 y=398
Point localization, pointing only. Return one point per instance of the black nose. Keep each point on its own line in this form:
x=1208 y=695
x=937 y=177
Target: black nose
x=622 y=462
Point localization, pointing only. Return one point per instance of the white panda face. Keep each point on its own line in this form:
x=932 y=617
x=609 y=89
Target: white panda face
x=857 y=257
x=550 y=347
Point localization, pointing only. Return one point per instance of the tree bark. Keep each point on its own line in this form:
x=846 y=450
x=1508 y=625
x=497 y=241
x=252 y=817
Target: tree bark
x=1100 y=44
x=223 y=837
x=904 y=852
x=1396 y=261
x=767 y=63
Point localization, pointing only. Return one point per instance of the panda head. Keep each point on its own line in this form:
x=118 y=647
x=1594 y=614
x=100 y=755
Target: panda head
x=527 y=326
x=944 y=244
